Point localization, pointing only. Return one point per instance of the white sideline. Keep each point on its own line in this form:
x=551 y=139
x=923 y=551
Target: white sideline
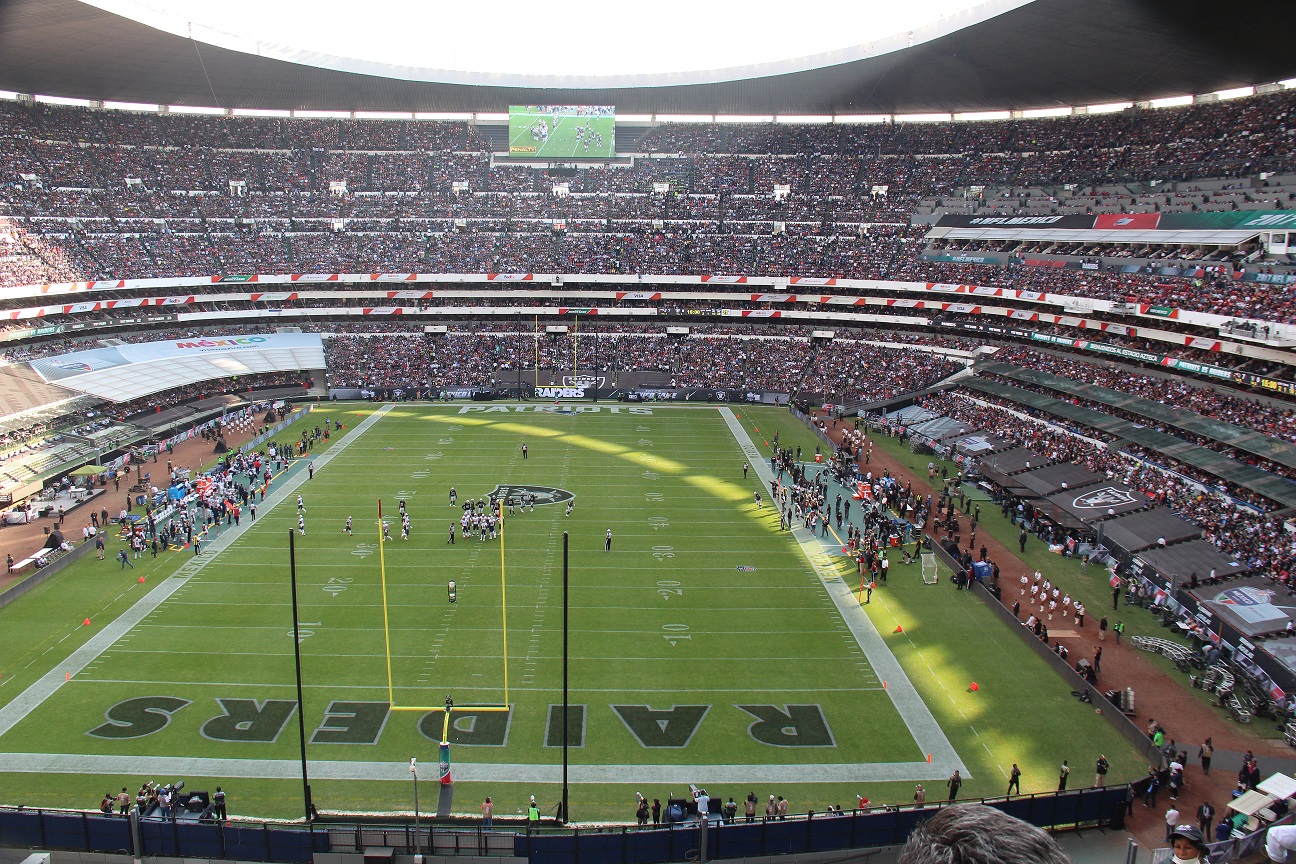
x=926 y=732
x=48 y=684
x=467 y=772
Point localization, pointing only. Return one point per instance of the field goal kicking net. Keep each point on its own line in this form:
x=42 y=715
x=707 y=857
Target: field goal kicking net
x=930 y=574
x=449 y=706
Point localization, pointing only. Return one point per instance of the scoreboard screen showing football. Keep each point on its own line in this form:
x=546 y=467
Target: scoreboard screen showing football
x=562 y=131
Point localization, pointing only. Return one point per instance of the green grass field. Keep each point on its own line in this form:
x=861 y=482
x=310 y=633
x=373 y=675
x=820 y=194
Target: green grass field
x=707 y=646
x=565 y=136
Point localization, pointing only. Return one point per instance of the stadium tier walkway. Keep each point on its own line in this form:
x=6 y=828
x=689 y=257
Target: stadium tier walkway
x=1228 y=434
x=1272 y=486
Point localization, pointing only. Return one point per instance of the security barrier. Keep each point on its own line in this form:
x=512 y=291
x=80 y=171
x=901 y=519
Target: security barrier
x=295 y=844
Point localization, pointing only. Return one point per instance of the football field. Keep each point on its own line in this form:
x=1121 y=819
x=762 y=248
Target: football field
x=706 y=645
x=561 y=136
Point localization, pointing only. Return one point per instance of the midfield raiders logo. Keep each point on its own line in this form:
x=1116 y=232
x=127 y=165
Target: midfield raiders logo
x=1106 y=497
x=543 y=494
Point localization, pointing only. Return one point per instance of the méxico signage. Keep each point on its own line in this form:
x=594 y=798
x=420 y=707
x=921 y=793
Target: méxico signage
x=962 y=259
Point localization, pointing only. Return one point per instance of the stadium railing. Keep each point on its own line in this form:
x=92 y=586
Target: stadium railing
x=16 y=590
x=297 y=844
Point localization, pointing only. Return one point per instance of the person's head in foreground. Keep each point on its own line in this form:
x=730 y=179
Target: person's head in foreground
x=976 y=834
x=1189 y=845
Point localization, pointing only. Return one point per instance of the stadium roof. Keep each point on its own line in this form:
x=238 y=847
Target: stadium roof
x=1046 y=53
x=581 y=51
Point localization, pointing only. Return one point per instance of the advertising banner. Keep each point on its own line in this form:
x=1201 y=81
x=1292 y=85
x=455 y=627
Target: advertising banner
x=1127 y=221
x=1043 y=223
x=1247 y=220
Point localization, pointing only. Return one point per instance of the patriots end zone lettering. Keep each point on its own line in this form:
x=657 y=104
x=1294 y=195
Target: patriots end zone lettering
x=551 y=409
x=255 y=721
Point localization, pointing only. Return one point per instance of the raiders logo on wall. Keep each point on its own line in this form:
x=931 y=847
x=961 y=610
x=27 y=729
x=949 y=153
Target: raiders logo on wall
x=588 y=382
x=543 y=494
x=1106 y=497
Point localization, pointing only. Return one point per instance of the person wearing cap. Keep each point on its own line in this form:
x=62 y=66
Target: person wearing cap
x=1189 y=845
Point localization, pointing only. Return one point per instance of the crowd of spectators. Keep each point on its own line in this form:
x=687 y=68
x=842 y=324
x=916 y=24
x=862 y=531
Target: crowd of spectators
x=640 y=247
x=855 y=370
x=1238 y=523
x=101 y=194
x=1152 y=143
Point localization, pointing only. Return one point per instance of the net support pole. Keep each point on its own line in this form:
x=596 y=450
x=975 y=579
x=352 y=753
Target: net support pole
x=566 y=724
x=382 y=576
x=503 y=605
x=301 y=714
x=445 y=795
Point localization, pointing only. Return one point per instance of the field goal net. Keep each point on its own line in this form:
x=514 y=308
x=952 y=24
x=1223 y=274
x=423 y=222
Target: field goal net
x=930 y=574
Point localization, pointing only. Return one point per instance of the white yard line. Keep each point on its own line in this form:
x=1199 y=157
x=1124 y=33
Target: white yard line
x=43 y=688
x=468 y=772
x=379 y=689
x=926 y=732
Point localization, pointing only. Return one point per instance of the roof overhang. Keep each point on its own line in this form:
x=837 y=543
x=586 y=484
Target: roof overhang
x=1046 y=54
